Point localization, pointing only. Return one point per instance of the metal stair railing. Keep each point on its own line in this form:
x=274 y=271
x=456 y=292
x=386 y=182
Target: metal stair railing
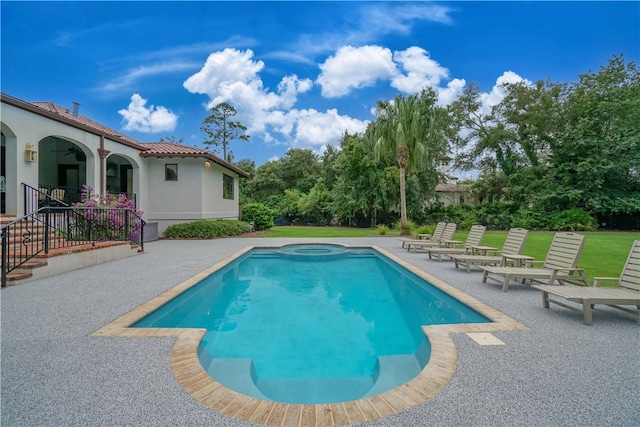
x=58 y=227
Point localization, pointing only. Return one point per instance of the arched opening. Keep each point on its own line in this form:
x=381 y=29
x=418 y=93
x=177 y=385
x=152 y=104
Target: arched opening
x=62 y=169
x=9 y=161
x=3 y=174
x=119 y=176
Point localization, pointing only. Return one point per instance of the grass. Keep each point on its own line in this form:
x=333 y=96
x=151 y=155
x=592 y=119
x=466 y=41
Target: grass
x=604 y=253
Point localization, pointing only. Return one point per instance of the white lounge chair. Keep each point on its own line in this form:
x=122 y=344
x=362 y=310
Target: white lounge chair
x=560 y=264
x=447 y=234
x=512 y=246
x=474 y=238
x=437 y=233
x=625 y=292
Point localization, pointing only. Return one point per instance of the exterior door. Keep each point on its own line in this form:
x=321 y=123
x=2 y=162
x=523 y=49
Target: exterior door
x=69 y=176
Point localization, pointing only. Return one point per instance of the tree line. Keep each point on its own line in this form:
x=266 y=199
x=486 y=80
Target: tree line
x=543 y=149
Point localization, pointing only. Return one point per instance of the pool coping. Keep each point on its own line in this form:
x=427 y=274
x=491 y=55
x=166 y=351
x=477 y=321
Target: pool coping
x=190 y=374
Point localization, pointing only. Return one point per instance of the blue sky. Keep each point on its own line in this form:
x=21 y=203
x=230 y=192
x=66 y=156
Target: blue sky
x=299 y=73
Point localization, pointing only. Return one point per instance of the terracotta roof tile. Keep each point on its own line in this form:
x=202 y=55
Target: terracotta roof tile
x=66 y=113
x=169 y=149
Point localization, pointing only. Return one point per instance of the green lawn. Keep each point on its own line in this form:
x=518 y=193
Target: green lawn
x=604 y=253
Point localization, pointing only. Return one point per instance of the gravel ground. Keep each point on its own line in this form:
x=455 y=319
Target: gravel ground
x=560 y=372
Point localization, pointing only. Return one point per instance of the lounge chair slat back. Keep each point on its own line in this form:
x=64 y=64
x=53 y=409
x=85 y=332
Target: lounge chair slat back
x=475 y=236
x=437 y=232
x=630 y=277
x=515 y=241
x=449 y=231
x=565 y=250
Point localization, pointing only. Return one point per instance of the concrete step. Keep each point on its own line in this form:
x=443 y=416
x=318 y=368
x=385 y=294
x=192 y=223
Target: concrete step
x=13 y=277
x=61 y=260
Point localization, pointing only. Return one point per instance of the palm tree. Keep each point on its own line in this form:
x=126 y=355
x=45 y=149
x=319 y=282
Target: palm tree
x=411 y=129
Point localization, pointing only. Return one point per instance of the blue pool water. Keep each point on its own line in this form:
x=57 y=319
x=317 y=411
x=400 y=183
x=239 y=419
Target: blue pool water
x=312 y=323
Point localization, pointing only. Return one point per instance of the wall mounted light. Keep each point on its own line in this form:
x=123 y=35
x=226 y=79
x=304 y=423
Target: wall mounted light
x=207 y=163
x=30 y=154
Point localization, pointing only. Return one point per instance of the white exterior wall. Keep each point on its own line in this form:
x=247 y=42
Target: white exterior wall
x=197 y=194
x=214 y=205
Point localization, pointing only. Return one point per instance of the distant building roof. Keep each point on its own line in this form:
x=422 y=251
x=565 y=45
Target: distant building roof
x=453 y=188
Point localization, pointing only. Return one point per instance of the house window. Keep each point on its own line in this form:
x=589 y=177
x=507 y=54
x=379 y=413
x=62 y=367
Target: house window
x=227 y=186
x=171 y=172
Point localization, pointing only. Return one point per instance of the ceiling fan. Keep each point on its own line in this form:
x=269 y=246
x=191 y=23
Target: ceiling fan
x=80 y=156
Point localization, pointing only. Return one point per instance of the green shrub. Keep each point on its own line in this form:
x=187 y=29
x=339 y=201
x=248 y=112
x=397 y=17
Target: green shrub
x=425 y=229
x=382 y=229
x=261 y=215
x=528 y=219
x=410 y=226
x=572 y=220
x=206 y=229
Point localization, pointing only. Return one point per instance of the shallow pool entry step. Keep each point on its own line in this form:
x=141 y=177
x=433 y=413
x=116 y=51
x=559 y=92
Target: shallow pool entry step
x=239 y=374
x=314 y=390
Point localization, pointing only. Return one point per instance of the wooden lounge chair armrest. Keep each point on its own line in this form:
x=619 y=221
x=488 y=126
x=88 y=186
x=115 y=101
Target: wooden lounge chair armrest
x=534 y=263
x=453 y=243
x=597 y=280
x=569 y=269
x=581 y=274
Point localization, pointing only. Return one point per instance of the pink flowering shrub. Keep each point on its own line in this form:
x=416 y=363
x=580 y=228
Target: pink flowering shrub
x=111 y=217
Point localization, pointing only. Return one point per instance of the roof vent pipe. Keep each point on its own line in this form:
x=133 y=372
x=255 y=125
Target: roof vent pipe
x=76 y=107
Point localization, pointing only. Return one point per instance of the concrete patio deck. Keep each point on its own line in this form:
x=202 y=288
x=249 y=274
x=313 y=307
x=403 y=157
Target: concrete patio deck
x=558 y=372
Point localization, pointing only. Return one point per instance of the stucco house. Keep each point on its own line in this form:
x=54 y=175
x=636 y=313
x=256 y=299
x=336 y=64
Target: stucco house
x=454 y=194
x=46 y=146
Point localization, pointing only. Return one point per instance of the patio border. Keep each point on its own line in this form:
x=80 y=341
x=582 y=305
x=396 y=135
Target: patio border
x=190 y=374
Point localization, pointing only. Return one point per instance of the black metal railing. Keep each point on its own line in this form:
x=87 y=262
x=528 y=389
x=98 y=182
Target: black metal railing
x=51 y=195
x=53 y=227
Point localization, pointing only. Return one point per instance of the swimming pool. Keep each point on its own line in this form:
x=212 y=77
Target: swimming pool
x=312 y=323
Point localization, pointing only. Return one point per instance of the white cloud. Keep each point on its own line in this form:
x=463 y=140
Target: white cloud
x=128 y=79
x=290 y=87
x=317 y=129
x=233 y=76
x=223 y=68
x=449 y=94
x=498 y=93
x=408 y=71
x=368 y=24
x=387 y=18
x=355 y=68
x=138 y=117
x=420 y=70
